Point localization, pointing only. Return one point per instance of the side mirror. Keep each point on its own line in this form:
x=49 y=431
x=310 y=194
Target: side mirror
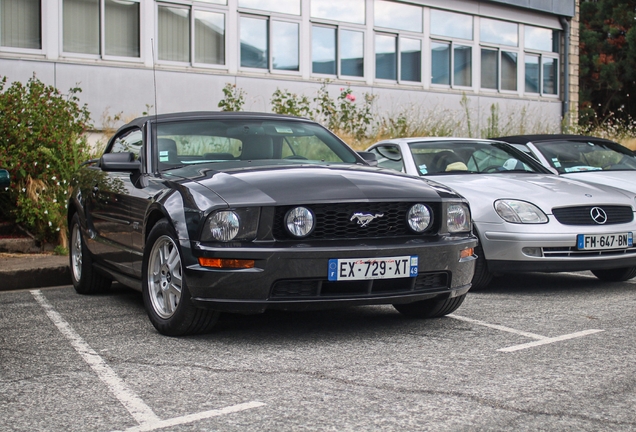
x=5 y=180
x=369 y=157
x=119 y=162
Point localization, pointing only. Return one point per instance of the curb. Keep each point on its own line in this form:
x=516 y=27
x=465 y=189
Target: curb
x=35 y=278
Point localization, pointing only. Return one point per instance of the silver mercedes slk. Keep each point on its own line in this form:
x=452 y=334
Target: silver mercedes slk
x=527 y=219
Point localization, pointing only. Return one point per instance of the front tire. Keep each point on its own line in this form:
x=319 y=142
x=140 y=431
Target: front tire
x=84 y=277
x=430 y=308
x=165 y=291
x=482 y=277
x=615 y=275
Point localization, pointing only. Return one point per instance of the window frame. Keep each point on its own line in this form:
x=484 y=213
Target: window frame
x=192 y=8
x=453 y=43
x=542 y=56
x=398 y=36
x=499 y=50
x=339 y=28
x=269 y=17
x=102 y=37
x=37 y=51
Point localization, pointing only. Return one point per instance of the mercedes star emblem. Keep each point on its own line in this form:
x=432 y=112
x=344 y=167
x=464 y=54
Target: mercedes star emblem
x=598 y=215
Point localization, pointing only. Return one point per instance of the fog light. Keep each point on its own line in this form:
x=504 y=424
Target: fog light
x=225 y=263
x=532 y=252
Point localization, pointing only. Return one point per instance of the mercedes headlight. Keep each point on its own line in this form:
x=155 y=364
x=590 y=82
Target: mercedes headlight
x=300 y=222
x=458 y=218
x=515 y=211
x=419 y=218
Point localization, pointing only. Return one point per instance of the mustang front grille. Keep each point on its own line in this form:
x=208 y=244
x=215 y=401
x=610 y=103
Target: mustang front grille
x=584 y=215
x=322 y=288
x=334 y=221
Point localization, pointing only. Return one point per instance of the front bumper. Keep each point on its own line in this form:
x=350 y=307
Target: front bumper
x=557 y=252
x=295 y=278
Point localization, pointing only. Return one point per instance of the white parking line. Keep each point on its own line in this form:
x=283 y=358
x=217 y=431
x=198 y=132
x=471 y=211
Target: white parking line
x=549 y=340
x=194 y=417
x=498 y=327
x=141 y=412
x=540 y=340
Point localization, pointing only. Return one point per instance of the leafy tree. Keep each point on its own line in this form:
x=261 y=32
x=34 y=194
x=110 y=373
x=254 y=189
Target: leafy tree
x=607 y=60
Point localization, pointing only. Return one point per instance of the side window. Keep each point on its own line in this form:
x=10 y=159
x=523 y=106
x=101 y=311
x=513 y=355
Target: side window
x=130 y=141
x=389 y=157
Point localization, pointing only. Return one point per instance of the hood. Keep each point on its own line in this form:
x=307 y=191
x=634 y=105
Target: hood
x=618 y=179
x=545 y=191
x=287 y=185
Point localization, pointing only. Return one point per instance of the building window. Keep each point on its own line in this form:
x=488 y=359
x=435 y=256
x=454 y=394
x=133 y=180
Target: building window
x=541 y=65
x=499 y=63
x=451 y=24
x=187 y=35
x=498 y=69
x=83 y=31
x=388 y=65
x=498 y=32
x=385 y=57
x=460 y=63
x=174 y=34
x=281 y=6
x=410 y=59
x=349 y=11
x=20 y=24
x=451 y=61
x=269 y=44
x=209 y=37
x=399 y=16
x=541 y=39
x=121 y=25
x=324 y=51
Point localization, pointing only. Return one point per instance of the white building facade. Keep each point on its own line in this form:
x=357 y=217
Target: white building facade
x=134 y=56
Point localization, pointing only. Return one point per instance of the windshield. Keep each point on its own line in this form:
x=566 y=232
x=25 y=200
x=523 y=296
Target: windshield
x=239 y=142
x=470 y=157
x=579 y=156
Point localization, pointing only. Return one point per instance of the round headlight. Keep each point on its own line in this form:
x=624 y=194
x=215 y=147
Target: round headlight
x=419 y=218
x=224 y=225
x=299 y=221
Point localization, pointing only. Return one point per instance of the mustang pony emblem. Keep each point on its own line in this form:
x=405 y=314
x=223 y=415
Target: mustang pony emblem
x=365 y=218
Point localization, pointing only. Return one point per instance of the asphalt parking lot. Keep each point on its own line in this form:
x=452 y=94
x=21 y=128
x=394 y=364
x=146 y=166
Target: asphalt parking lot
x=533 y=352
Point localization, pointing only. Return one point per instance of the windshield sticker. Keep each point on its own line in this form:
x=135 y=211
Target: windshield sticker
x=556 y=163
x=163 y=156
x=285 y=130
x=423 y=169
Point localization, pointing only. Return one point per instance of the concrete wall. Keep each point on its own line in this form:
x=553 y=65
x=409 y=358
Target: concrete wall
x=130 y=91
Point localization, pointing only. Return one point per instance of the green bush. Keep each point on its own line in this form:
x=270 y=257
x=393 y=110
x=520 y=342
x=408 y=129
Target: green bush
x=284 y=102
x=233 y=98
x=42 y=144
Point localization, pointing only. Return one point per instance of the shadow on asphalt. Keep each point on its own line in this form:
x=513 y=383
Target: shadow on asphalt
x=370 y=321
x=542 y=283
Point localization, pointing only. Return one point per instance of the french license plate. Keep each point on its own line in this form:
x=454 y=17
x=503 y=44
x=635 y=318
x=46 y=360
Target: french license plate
x=604 y=241
x=372 y=268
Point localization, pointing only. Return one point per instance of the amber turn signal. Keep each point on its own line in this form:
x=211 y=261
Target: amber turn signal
x=466 y=253
x=225 y=263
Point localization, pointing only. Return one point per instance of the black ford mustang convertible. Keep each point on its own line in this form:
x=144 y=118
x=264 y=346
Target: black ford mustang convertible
x=241 y=212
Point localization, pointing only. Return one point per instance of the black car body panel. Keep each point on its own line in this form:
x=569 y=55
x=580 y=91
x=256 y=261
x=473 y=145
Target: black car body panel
x=118 y=208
